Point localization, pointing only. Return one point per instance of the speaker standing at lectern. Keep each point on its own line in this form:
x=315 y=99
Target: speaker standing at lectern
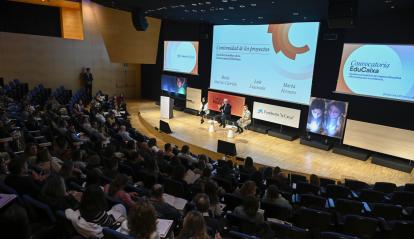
x=225 y=110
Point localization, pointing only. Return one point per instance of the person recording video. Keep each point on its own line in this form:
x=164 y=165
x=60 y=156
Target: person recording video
x=225 y=110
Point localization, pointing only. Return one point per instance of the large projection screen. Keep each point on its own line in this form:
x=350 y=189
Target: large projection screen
x=382 y=71
x=181 y=57
x=270 y=61
x=379 y=138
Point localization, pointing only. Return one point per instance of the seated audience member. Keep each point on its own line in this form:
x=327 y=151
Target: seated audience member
x=31 y=154
x=152 y=144
x=247 y=189
x=21 y=179
x=179 y=173
x=111 y=167
x=273 y=196
x=164 y=210
x=116 y=190
x=124 y=134
x=93 y=215
x=47 y=163
x=93 y=177
x=55 y=195
x=249 y=210
x=282 y=182
x=194 y=226
x=14 y=223
x=202 y=203
x=212 y=191
x=248 y=166
x=314 y=180
x=69 y=173
x=142 y=221
x=168 y=151
x=185 y=153
x=77 y=136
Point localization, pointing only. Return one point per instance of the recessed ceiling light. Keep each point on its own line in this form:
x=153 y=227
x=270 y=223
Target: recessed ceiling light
x=208 y=3
x=231 y=8
x=242 y=6
x=225 y=19
x=260 y=17
x=243 y=19
x=295 y=14
x=253 y=4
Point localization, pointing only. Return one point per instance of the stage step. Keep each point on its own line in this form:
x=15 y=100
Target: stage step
x=286 y=135
x=351 y=152
x=392 y=162
x=259 y=129
x=315 y=144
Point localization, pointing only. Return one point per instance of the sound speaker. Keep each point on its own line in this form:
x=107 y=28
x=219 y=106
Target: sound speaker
x=165 y=127
x=226 y=148
x=342 y=13
x=139 y=20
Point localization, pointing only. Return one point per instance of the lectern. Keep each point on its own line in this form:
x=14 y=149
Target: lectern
x=167 y=105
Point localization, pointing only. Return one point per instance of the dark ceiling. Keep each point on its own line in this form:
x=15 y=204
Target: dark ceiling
x=257 y=11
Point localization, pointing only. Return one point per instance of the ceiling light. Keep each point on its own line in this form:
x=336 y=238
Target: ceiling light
x=295 y=14
x=242 y=6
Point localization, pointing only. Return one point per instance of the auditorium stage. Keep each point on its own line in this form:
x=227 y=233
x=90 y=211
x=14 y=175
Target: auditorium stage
x=265 y=150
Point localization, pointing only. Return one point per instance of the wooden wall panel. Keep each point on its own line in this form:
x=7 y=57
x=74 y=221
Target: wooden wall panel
x=56 y=61
x=388 y=140
x=123 y=42
x=71 y=23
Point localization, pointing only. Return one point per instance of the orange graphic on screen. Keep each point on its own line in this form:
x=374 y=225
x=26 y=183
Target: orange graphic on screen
x=280 y=39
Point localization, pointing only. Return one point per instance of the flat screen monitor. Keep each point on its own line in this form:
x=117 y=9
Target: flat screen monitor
x=174 y=84
x=226 y=148
x=327 y=117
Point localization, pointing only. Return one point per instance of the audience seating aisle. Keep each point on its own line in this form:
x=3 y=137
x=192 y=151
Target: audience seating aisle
x=82 y=171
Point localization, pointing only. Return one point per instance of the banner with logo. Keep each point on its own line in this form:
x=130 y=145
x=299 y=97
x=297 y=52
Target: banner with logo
x=215 y=100
x=193 y=100
x=276 y=114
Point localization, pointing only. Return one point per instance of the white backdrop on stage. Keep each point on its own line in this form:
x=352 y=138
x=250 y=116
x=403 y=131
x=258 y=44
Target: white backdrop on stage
x=276 y=114
x=193 y=98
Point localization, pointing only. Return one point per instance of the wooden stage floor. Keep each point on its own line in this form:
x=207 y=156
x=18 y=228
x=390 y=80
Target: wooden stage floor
x=268 y=150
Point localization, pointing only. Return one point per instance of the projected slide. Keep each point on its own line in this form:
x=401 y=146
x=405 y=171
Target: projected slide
x=385 y=71
x=270 y=61
x=327 y=117
x=181 y=56
x=174 y=84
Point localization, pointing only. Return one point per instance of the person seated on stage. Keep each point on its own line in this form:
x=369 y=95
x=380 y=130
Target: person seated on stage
x=245 y=119
x=225 y=110
x=203 y=109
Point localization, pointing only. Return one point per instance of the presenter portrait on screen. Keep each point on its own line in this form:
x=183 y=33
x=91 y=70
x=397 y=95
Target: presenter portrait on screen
x=334 y=119
x=203 y=109
x=181 y=85
x=245 y=119
x=316 y=116
x=225 y=110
